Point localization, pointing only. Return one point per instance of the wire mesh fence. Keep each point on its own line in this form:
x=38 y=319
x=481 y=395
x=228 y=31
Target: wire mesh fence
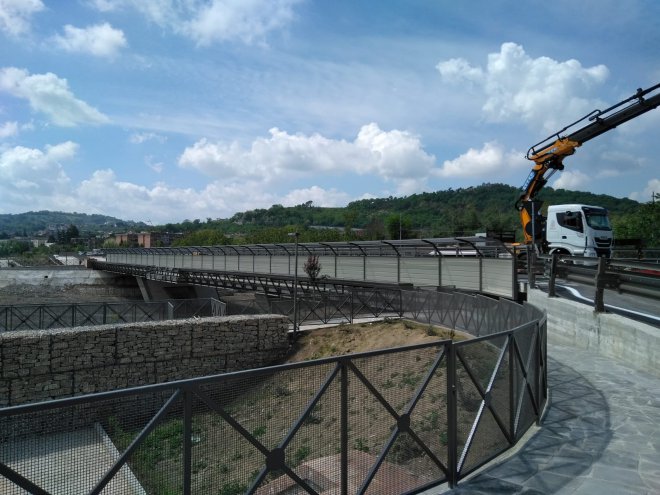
x=45 y=316
x=383 y=422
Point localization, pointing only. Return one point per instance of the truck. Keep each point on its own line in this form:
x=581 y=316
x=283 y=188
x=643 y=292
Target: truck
x=574 y=229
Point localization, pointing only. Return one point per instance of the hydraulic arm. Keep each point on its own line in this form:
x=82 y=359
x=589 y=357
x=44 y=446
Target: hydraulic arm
x=548 y=155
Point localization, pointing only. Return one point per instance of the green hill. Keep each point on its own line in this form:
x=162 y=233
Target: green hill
x=36 y=222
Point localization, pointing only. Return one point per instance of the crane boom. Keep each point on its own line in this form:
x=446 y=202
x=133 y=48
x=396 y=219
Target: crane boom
x=548 y=155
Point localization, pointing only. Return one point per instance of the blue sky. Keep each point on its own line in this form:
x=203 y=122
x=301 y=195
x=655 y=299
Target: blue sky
x=165 y=110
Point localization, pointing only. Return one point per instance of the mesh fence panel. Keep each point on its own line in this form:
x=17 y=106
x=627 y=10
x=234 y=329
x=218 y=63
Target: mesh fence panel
x=281 y=430
x=483 y=400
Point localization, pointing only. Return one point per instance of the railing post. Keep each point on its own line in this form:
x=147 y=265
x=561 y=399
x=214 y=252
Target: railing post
x=187 y=442
x=599 y=304
x=452 y=422
x=350 y=297
x=531 y=267
x=537 y=369
x=344 y=427
x=553 y=275
x=512 y=388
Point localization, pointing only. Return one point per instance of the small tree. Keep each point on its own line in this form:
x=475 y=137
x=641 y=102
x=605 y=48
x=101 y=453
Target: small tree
x=312 y=267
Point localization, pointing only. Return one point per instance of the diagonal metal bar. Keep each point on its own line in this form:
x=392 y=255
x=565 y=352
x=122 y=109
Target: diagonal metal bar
x=135 y=443
x=403 y=425
x=484 y=403
x=21 y=481
x=526 y=385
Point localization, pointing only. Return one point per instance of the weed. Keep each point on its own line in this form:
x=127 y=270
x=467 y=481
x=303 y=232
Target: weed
x=232 y=488
x=443 y=438
x=259 y=431
x=431 y=331
x=408 y=325
x=198 y=466
x=361 y=445
x=405 y=449
x=281 y=391
x=300 y=455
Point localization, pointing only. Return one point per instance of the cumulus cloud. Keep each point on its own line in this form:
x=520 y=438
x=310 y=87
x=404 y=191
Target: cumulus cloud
x=8 y=129
x=248 y=22
x=50 y=95
x=210 y=21
x=100 y=40
x=574 y=180
x=318 y=195
x=28 y=175
x=652 y=187
x=105 y=192
x=540 y=91
x=15 y=16
x=490 y=160
x=392 y=155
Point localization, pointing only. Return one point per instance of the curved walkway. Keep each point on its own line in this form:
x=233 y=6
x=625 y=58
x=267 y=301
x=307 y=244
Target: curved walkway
x=600 y=435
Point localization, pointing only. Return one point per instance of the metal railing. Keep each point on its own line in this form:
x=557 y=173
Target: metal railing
x=623 y=276
x=391 y=421
x=45 y=316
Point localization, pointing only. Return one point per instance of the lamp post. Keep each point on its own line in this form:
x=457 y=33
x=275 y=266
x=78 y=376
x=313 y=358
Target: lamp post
x=295 y=235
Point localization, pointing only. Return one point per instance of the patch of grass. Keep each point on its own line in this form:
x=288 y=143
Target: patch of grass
x=300 y=455
x=232 y=488
x=361 y=445
x=259 y=431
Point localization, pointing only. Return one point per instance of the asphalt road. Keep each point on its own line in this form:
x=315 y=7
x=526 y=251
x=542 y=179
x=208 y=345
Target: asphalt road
x=633 y=306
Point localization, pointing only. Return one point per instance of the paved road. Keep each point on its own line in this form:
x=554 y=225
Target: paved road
x=633 y=306
x=600 y=436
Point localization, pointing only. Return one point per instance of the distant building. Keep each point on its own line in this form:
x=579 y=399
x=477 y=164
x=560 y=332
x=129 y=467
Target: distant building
x=39 y=241
x=146 y=239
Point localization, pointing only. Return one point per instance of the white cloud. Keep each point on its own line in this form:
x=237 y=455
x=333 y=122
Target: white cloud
x=8 y=129
x=141 y=137
x=540 y=91
x=15 y=15
x=318 y=195
x=50 y=95
x=153 y=165
x=210 y=21
x=100 y=40
x=391 y=155
x=652 y=187
x=574 y=180
x=28 y=176
x=104 y=192
x=490 y=160
x=459 y=70
x=246 y=21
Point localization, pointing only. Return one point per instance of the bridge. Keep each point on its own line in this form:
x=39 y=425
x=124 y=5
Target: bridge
x=494 y=404
x=473 y=264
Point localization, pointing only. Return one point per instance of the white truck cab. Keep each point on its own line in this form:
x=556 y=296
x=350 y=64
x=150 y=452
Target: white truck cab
x=579 y=230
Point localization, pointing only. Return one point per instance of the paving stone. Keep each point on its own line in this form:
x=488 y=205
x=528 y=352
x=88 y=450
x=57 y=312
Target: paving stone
x=600 y=434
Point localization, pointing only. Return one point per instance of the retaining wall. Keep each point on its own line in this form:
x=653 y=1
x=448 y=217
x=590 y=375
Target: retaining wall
x=575 y=324
x=38 y=365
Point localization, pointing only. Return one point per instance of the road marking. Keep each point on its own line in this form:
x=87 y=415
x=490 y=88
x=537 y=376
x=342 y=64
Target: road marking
x=577 y=294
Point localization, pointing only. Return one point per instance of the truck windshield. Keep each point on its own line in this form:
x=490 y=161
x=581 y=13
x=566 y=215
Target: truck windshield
x=598 y=219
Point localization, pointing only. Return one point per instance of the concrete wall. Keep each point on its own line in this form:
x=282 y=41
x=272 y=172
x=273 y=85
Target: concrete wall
x=41 y=365
x=575 y=324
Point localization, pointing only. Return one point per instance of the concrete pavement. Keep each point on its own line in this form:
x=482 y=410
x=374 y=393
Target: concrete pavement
x=600 y=435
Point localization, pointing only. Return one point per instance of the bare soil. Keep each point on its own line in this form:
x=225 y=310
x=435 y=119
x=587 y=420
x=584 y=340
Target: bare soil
x=348 y=339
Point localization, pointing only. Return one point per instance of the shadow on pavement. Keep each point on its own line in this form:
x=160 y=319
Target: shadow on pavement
x=575 y=432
